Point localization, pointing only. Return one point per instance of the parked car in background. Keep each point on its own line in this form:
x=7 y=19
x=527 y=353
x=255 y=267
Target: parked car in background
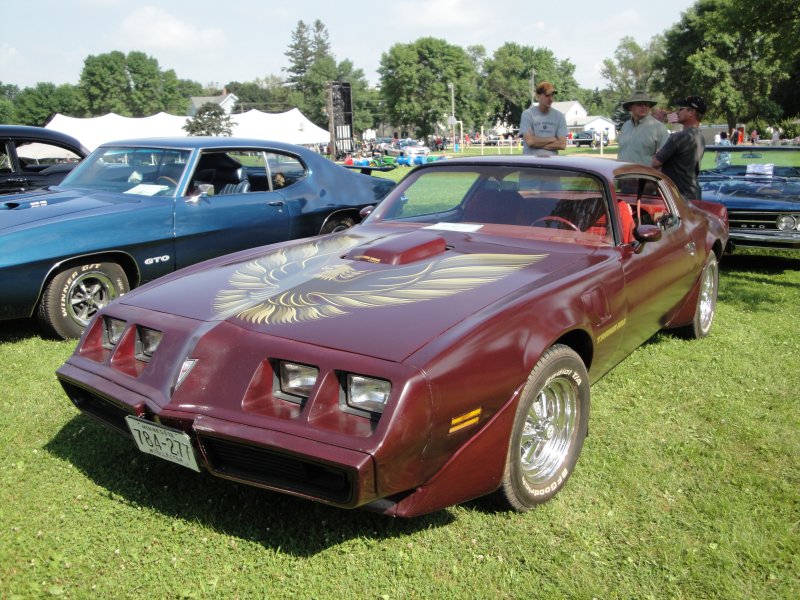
x=440 y=351
x=408 y=147
x=139 y=209
x=760 y=186
x=589 y=138
x=35 y=157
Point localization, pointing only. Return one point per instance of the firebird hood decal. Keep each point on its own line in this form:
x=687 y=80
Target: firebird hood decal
x=310 y=282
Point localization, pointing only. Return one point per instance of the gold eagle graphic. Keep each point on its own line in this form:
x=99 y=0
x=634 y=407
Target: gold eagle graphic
x=276 y=288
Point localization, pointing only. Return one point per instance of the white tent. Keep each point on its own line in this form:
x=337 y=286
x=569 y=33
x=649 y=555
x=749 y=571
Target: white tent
x=291 y=126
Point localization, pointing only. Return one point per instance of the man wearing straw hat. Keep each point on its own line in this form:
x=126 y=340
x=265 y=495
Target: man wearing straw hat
x=642 y=135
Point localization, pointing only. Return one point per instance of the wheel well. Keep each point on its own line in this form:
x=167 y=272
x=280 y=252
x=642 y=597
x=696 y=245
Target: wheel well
x=581 y=343
x=353 y=213
x=123 y=260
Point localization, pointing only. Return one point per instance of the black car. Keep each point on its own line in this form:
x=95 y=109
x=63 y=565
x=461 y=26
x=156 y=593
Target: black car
x=589 y=138
x=760 y=186
x=35 y=157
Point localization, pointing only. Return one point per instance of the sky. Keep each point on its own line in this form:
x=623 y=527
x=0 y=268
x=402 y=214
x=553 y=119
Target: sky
x=214 y=42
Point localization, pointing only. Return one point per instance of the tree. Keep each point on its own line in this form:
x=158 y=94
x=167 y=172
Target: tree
x=300 y=55
x=210 y=119
x=507 y=79
x=104 y=83
x=37 y=105
x=415 y=80
x=634 y=67
x=268 y=95
x=132 y=85
x=734 y=61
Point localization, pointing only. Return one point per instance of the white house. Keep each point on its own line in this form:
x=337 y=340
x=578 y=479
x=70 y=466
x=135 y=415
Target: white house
x=579 y=120
x=225 y=100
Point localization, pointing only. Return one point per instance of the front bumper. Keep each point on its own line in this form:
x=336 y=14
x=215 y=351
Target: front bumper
x=253 y=455
x=788 y=240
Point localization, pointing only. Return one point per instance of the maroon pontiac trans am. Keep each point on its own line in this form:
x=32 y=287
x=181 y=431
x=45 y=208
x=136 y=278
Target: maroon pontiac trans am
x=440 y=351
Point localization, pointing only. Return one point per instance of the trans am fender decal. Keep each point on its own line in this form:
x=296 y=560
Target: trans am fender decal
x=611 y=330
x=311 y=281
x=465 y=420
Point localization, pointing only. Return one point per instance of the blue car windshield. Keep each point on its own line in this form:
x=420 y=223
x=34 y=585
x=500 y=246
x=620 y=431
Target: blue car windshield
x=137 y=171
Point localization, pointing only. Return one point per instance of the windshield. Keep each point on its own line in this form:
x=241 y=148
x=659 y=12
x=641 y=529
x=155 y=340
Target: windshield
x=751 y=162
x=520 y=200
x=138 y=171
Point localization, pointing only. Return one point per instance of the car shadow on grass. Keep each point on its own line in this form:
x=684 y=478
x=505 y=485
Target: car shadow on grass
x=18 y=329
x=754 y=282
x=278 y=521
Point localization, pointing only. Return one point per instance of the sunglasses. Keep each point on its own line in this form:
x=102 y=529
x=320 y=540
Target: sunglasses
x=548 y=95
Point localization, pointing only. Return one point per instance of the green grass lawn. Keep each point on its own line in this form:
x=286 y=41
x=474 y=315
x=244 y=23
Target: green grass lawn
x=688 y=487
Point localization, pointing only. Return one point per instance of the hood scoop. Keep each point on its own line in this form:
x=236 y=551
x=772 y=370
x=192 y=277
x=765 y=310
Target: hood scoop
x=399 y=249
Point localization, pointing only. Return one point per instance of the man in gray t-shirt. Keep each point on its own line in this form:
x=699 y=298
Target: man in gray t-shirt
x=680 y=157
x=543 y=128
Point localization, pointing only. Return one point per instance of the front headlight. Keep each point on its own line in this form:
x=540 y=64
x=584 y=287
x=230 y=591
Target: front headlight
x=786 y=222
x=147 y=340
x=112 y=331
x=367 y=393
x=296 y=379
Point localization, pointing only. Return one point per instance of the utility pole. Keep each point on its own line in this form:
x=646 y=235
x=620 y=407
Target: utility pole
x=533 y=85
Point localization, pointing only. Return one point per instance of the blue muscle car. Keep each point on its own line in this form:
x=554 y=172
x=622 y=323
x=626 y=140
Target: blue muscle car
x=760 y=186
x=136 y=210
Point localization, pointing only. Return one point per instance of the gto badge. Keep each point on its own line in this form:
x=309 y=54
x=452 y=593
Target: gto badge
x=157 y=259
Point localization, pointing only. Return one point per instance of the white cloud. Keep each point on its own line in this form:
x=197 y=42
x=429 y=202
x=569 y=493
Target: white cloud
x=151 y=28
x=7 y=54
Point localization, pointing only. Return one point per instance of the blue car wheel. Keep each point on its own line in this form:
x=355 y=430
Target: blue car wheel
x=75 y=294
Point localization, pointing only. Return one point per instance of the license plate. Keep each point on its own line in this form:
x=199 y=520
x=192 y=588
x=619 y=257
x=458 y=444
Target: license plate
x=166 y=443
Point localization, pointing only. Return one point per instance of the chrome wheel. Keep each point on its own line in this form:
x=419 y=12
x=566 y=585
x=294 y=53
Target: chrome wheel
x=707 y=303
x=88 y=294
x=550 y=424
x=549 y=430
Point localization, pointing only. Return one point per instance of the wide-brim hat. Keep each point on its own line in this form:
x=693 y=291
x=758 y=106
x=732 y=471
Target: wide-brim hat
x=639 y=97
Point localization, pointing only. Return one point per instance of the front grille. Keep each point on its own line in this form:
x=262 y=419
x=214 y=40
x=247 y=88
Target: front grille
x=99 y=407
x=752 y=220
x=261 y=466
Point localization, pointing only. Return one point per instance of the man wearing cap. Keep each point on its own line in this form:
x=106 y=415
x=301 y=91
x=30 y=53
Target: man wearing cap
x=642 y=135
x=680 y=157
x=543 y=128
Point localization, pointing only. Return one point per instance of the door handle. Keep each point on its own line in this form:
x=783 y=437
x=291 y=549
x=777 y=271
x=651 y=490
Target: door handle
x=276 y=203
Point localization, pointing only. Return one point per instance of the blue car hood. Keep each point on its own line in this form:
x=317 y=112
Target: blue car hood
x=51 y=205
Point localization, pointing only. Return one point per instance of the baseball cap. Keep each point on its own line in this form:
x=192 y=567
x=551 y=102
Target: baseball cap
x=695 y=102
x=545 y=87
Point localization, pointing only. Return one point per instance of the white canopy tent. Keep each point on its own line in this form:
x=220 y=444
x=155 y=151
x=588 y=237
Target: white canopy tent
x=291 y=126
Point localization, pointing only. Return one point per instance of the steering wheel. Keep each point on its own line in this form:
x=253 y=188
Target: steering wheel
x=557 y=219
x=169 y=180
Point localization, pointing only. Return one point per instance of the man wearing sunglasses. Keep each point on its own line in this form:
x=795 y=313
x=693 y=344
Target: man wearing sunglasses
x=680 y=157
x=543 y=128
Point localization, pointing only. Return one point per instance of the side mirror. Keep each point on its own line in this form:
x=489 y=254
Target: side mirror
x=200 y=190
x=644 y=234
x=366 y=211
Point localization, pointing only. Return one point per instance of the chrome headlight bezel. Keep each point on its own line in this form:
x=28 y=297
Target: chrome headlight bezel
x=786 y=222
x=147 y=342
x=365 y=395
x=294 y=381
x=113 y=330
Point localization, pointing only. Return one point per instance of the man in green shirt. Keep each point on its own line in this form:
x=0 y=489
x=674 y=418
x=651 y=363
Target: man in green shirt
x=642 y=135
